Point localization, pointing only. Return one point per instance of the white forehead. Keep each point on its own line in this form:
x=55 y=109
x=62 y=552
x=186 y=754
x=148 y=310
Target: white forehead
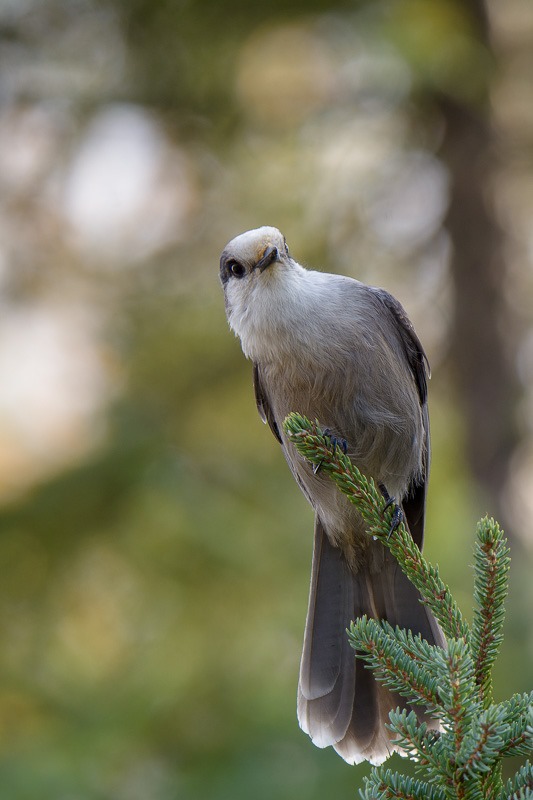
x=250 y=240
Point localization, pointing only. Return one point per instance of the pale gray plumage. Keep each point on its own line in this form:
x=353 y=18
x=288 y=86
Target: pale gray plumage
x=336 y=350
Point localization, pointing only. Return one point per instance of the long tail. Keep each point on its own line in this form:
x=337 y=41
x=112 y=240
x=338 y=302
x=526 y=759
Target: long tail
x=339 y=701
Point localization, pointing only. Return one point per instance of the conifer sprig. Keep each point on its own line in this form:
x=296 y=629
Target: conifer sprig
x=491 y=569
x=463 y=760
x=520 y=786
x=385 y=784
x=397 y=670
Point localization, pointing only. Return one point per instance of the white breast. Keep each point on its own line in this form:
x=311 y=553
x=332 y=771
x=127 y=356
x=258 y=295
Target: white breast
x=281 y=310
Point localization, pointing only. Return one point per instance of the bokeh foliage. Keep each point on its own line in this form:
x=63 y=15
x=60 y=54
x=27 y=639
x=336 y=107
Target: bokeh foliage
x=155 y=557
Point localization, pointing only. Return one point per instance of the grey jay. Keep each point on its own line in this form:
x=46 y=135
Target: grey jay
x=346 y=354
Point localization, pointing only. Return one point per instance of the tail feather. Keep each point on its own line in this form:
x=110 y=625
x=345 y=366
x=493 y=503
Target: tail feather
x=339 y=701
x=366 y=738
x=326 y=686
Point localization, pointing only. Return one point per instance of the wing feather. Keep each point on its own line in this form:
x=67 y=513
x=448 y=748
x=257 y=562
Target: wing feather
x=263 y=405
x=414 y=504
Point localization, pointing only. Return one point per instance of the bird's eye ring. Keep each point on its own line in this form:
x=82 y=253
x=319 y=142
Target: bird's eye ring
x=236 y=268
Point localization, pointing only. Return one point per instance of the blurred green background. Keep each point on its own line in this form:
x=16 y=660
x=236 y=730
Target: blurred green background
x=154 y=551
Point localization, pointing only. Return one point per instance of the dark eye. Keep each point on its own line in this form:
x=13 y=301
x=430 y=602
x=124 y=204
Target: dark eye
x=236 y=268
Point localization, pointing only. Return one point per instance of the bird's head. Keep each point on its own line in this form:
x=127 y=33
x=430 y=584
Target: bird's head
x=249 y=255
x=251 y=269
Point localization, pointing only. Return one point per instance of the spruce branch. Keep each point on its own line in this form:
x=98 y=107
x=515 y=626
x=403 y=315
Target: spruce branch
x=424 y=746
x=521 y=794
x=491 y=569
x=414 y=646
x=462 y=760
x=518 y=721
x=395 y=668
x=520 y=784
x=455 y=678
x=384 y=784
x=518 y=705
x=482 y=746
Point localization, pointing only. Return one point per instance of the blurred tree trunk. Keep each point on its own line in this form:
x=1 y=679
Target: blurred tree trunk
x=485 y=373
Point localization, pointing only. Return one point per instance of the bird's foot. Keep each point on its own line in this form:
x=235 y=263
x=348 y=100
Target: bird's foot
x=336 y=441
x=397 y=513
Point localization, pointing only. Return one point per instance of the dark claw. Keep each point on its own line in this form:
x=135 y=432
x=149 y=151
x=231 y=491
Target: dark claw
x=397 y=514
x=397 y=518
x=335 y=442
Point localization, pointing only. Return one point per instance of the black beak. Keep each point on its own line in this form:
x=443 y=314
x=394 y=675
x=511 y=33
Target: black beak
x=269 y=256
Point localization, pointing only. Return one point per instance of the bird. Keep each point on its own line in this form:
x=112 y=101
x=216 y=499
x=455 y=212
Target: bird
x=344 y=353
